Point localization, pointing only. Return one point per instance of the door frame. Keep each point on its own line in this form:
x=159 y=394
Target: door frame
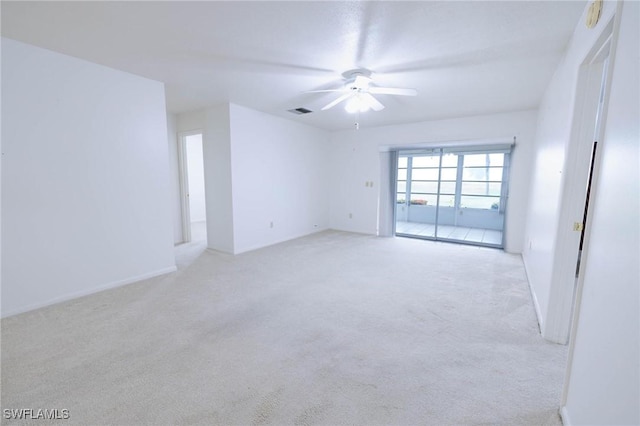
x=183 y=172
x=577 y=165
x=604 y=51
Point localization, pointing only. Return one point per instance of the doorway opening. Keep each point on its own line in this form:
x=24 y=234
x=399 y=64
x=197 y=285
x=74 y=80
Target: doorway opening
x=453 y=195
x=194 y=211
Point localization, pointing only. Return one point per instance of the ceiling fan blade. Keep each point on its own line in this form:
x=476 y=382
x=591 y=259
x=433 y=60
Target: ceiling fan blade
x=372 y=102
x=393 y=91
x=325 y=91
x=337 y=101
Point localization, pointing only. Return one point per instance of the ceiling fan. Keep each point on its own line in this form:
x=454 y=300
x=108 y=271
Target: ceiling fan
x=358 y=92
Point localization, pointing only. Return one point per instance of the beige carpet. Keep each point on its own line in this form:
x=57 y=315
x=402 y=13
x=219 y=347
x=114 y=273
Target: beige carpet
x=334 y=328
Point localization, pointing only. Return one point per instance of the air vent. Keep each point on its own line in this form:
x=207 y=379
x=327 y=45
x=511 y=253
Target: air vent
x=300 y=111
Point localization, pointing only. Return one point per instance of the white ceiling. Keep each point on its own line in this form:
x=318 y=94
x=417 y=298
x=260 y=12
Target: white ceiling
x=464 y=57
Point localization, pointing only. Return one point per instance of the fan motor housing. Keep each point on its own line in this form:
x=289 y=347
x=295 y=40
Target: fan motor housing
x=352 y=74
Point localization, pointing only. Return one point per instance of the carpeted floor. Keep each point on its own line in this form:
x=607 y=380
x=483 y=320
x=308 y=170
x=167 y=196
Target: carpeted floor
x=334 y=328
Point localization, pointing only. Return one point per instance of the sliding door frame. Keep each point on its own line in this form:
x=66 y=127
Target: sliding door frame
x=460 y=151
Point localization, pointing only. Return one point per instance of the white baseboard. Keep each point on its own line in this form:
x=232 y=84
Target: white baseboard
x=87 y=292
x=536 y=305
x=279 y=240
x=564 y=416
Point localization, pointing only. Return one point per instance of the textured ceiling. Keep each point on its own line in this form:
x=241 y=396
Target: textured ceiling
x=464 y=57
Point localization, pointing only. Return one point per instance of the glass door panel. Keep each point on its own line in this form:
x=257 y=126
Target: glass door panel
x=448 y=200
x=401 y=191
x=480 y=198
x=416 y=207
x=452 y=196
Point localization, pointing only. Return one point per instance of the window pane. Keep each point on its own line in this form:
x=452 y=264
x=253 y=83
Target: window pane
x=450 y=160
x=474 y=174
x=496 y=159
x=482 y=173
x=495 y=174
x=449 y=174
x=401 y=198
x=471 y=160
x=432 y=200
x=424 y=199
x=472 y=202
x=427 y=161
x=481 y=188
x=447 y=200
x=481 y=180
x=447 y=187
x=422 y=186
x=424 y=174
x=488 y=160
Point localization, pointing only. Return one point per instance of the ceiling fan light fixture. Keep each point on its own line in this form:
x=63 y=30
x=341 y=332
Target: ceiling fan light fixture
x=357 y=104
x=357 y=92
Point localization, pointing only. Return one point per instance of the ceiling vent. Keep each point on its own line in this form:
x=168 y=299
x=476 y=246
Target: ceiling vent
x=300 y=111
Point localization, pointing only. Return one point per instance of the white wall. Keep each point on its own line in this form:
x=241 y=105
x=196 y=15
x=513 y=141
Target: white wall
x=85 y=182
x=604 y=375
x=279 y=170
x=217 y=175
x=260 y=170
x=190 y=121
x=174 y=173
x=1 y=173
x=355 y=159
x=554 y=133
x=195 y=171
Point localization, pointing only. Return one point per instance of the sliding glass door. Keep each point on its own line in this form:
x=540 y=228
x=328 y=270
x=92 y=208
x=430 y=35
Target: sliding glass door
x=417 y=195
x=452 y=195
